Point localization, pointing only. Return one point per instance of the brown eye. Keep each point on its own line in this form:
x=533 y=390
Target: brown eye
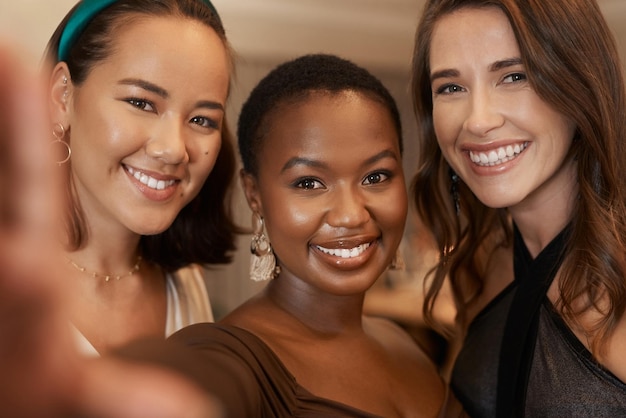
x=141 y=104
x=375 y=178
x=205 y=122
x=309 y=184
x=514 y=78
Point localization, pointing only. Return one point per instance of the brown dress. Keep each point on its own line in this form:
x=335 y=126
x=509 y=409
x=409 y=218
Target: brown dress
x=240 y=370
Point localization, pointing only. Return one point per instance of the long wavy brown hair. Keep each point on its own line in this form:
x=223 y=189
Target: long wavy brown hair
x=572 y=63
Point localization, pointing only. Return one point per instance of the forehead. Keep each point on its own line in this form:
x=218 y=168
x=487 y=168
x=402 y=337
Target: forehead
x=317 y=111
x=163 y=33
x=467 y=33
x=329 y=126
x=166 y=49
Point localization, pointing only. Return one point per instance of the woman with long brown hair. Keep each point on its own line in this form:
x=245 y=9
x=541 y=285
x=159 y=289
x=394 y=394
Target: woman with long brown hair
x=521 y=105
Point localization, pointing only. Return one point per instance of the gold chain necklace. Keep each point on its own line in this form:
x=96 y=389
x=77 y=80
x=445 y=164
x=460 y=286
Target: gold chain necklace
x=107 y=277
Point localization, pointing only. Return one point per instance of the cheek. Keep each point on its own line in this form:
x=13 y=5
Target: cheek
x=204 y=158
x=392 y=217
x=95 y=142
x=445 y=126
x=207 y=148
x=561 y=143
x=289 y=221
x=561 y=130
x=294 y=218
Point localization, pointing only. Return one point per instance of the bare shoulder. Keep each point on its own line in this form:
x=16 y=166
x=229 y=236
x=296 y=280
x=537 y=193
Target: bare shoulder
x=409 y=367
x=613 y=357
x=610 y=355
x=398 y=343
x=384 y=329
x=252 y=315
x=262 y=318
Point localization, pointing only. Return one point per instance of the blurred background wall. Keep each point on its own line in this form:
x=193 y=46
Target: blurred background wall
x=377 y=34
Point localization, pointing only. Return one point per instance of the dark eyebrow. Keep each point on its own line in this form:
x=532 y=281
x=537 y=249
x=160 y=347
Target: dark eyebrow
x=301 y=161
x=160 y=91
x=443 y=74
x=510 y=62
x=498 y=65
x=146 y=85
x=381 y=155
x=207 y=104
x=313 y=163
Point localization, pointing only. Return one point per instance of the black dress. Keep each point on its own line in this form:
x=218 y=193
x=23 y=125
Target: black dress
x=558 y=375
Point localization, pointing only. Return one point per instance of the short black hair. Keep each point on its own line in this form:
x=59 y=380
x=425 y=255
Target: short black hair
x=295 y=80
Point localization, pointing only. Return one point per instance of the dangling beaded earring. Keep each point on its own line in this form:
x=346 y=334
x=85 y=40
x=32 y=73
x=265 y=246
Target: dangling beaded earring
x=454 y=191
x=397 y=263
x=58 y=132
x=263 y=262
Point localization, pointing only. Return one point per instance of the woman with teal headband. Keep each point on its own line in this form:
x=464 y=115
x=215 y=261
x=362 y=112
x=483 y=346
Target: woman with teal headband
x=137 y=93
x=41 y=375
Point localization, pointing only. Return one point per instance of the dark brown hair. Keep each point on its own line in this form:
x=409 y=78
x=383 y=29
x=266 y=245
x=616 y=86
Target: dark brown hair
x=203 y=232
x=572 y=63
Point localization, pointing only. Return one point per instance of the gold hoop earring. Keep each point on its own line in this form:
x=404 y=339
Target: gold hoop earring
x=58 y=132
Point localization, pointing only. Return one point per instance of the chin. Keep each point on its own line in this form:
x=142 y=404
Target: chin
x=154 y=229
x=499 y=203
x=497 y=196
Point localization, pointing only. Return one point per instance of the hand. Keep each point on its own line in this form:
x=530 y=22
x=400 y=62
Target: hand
x=42 y=374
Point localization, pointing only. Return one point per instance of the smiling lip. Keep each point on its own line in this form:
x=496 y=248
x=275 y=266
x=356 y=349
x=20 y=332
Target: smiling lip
x=347 y=255
x=497 y=156
x=155 y=189
x=149 y=181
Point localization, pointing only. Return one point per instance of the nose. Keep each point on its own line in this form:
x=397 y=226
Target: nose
x=168 y=143
x=348 y=209
x=484 y=113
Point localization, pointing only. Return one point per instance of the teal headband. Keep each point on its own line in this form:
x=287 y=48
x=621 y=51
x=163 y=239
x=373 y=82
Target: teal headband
x=84 y=13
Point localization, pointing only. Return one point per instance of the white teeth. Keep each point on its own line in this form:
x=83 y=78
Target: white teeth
x=344 y=252
x=151 y=182
x=497 y=156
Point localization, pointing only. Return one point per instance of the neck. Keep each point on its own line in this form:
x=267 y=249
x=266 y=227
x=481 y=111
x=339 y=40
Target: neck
x=109 y=247
x=107 y=256
x=542 y=216
x=318 y=311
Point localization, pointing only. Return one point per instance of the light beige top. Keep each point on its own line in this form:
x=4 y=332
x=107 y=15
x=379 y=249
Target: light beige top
x=187 y=303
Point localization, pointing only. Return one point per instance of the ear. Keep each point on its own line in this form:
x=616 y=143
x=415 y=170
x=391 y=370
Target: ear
x=60 y=88
x=250 y=187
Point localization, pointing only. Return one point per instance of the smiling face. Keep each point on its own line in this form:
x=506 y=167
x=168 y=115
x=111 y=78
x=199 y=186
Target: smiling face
x=145 y=126
x=507 y=144
x=331 y=190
